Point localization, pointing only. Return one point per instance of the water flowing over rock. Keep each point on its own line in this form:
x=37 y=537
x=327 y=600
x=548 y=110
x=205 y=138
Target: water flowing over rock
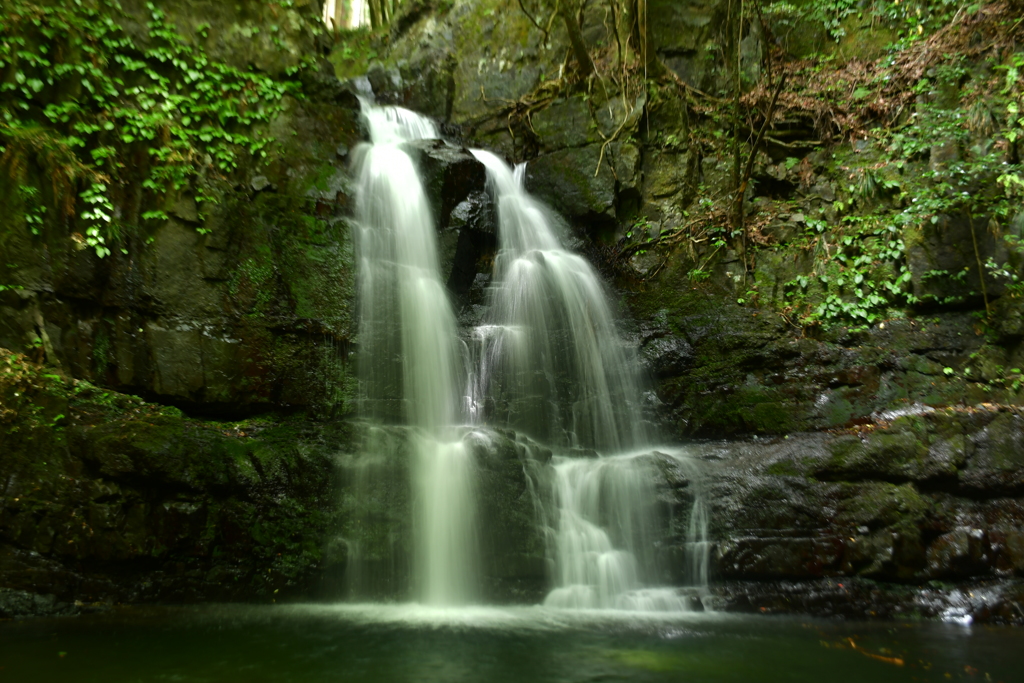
x=473 y=433
x=606 y=532
x=552 y=363
x=548 y=362
x=408 y=360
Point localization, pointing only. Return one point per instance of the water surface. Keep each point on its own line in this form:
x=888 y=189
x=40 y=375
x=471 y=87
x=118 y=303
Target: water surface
x=385 y=643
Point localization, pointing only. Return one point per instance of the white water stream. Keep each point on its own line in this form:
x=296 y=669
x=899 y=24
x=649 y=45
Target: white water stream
x=551 y=357
x=409 y=353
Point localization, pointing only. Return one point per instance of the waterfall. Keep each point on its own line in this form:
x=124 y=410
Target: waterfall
x=548 y=362
x=553 y=364
x=605 y=527
x=409 y=360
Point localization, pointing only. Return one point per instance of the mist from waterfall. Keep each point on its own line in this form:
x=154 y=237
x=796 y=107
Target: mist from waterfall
x=409 y=359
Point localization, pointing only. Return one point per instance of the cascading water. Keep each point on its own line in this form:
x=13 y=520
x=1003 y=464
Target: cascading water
x=553 y=365
x=552 y=361
x=408 y=367
x=607 y=530
x=549 y=363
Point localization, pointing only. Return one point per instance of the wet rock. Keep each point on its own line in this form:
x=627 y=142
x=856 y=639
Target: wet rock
x=474 y=220
x=1012 y=545
x=386 y=83
x=755 y=377
x=897 y=453
x=997 y=460
x=565 y=123
x=449 y=174
x=943 y=263
x=783 y=557
x=773 y=516
x=454 y=182
x=16 y=604
x=185 y=209
x=566 y=181
x=666 y=356
x=133 y=502
x=962 y=552
x=681 y=34
x=670 y=174
x=228 y=322
x=995 y=603
x=260 y=183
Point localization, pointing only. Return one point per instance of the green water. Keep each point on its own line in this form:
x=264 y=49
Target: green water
x=311 y=643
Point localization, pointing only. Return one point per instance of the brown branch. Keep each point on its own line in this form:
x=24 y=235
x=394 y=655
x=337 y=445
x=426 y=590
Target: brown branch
x=741 y=187
x=529 y=16
x=579 y=48
x=981 y=270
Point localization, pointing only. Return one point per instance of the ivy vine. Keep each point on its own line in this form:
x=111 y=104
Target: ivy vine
x=103 y=117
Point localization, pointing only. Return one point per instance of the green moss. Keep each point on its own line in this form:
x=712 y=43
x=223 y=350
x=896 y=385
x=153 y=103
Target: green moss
x=883 y=453
x=132 y=481
x=878 y=504
x=253 y=277
x=784 y=468
x=750 y=408
x=101 y=351
x=354 y=50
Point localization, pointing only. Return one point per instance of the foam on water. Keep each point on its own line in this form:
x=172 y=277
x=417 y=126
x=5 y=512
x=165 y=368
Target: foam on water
x=508 y=618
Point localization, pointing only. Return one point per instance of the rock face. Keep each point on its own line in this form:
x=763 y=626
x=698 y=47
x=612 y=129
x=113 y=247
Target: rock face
x=454 y=182
x=227 y=308
x=932 y=497
x=888 y=520
x=902 y=501
x=109 y=498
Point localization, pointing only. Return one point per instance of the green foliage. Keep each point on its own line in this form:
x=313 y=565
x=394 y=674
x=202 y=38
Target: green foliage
x=32 y=209
x=98 y=215
x=78 y=95
x=911 y=19
x=941 y=163
x=859 y=277
x=832 y=13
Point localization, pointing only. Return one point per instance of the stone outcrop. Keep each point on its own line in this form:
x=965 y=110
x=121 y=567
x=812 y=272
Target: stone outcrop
x=107 y=498
x=906 y=516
